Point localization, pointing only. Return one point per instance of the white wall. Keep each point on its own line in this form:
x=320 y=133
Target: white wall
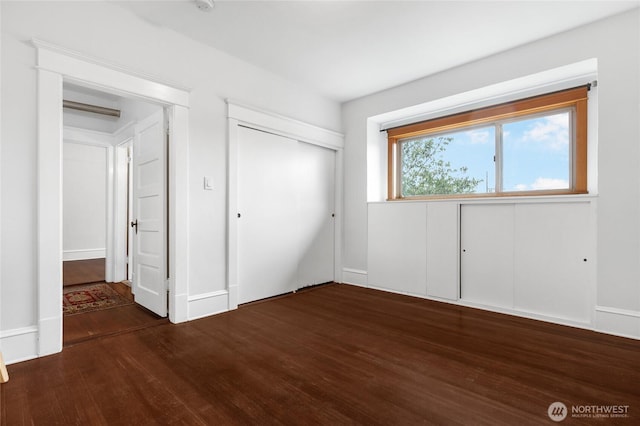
x=84 y=187
x=614 y=43
x=114 y=35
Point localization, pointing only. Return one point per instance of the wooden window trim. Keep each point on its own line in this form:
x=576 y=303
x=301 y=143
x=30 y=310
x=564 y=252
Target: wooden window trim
x=575 y=98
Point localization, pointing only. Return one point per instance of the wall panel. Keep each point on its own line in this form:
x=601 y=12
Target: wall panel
x=442 y=250
x=553 y=257
x=398 y=247
x=486 y=260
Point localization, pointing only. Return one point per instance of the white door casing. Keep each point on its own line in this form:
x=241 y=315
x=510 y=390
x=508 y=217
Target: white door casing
x=54 y=66
x=121 y=208
x=149 y=212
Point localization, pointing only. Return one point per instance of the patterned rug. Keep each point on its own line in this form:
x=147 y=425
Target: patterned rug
x=91 y=297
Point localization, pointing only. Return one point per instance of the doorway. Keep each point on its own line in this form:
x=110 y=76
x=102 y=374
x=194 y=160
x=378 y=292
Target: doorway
x=98 y=256
x=55 y=66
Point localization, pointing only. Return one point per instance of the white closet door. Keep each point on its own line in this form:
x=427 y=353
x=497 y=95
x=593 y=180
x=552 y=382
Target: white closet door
x=267 y=204
x=552 y=253
x=286 y=226
x=486 y=261
x=442 y=250
x=316 y=189
x=397 y=247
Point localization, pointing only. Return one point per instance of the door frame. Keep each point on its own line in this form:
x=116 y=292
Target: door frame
x=121 y=209
x=239 y=114
x=56 y=65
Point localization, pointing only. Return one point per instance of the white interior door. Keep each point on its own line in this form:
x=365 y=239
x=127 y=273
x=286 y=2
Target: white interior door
x=267 y=209
x=149 y=209
x=316 y=196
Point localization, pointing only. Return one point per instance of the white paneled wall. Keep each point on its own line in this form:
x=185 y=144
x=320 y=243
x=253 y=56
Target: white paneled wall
x=487 y=254
x=398 y=247
x=442 y=250
x=529 y=258
x=553 y=256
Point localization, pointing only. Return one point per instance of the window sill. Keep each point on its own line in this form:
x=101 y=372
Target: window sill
x=528 y=197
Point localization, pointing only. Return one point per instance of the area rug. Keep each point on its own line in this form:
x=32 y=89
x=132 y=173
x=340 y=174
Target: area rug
x=91 y=297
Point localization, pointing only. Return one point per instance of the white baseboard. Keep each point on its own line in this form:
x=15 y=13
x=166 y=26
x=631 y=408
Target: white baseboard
x=96 y=253
x=179 y=309
x=19 y=344
x=355 y=277
x=233 y=297
x=50 y=335
x=619 y=322
x=204 y=305
x=614 y=321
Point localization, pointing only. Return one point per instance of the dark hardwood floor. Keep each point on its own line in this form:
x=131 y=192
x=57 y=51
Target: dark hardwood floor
x=331 y=355
x=90 y=325
x=83 y=271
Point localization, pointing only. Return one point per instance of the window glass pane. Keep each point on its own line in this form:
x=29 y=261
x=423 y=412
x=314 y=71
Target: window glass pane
x=536 y=153
x=453 y=163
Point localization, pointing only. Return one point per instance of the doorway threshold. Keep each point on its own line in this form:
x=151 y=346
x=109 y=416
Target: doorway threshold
x=110 y=322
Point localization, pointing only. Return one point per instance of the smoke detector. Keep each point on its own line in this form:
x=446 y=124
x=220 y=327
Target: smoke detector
x=204 y=5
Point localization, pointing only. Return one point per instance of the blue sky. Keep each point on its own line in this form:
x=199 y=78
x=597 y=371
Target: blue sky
x=535 y=153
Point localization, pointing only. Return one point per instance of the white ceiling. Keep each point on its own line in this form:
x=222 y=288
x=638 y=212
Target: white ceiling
x=348 y=49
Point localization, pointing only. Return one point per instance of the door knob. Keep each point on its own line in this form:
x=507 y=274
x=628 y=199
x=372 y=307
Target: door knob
x=135 y=225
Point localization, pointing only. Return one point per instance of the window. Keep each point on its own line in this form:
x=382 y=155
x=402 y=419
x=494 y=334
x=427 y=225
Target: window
x=534 y=146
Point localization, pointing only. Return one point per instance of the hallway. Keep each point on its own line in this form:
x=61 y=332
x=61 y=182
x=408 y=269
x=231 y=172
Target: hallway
x=80 y=327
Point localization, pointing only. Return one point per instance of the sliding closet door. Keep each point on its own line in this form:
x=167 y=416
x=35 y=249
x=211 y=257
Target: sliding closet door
x=286 y=226
x=267 y=205
x=487 y=254
x=316 y=189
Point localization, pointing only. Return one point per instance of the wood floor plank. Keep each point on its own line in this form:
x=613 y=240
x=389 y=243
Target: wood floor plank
x=89 y=325
x=332 y=355
x=80 y=327
x=83 y=271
